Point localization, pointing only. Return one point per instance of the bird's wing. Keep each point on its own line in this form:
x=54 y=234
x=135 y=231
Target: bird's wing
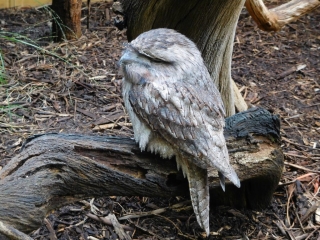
x=189 y=117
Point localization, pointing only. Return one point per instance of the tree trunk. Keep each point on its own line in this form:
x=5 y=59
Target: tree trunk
x=66 y=22
x=210 y=24
x=53 y=170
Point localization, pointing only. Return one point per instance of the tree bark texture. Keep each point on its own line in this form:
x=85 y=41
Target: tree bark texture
x=53 y=170
x=210 y=24
x=66 y=22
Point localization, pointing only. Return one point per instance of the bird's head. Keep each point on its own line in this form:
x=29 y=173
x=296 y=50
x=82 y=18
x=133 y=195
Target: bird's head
x=162 y=49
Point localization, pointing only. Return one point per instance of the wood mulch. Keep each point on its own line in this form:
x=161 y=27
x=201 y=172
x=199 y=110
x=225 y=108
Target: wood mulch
x=81 y=94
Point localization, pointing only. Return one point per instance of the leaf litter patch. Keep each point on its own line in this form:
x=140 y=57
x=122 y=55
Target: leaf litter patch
x=75 y=87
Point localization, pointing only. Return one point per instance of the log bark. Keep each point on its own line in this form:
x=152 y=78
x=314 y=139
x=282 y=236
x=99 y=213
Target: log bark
x=274 y=19
x=210 y=24
x=53 y=170
x=66 y=24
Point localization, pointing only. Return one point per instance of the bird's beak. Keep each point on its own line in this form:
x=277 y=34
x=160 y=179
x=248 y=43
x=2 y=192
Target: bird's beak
x=128 y=57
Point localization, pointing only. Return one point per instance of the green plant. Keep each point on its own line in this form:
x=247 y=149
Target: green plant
x=2 y=70
x=18 y=38
x=56 y=20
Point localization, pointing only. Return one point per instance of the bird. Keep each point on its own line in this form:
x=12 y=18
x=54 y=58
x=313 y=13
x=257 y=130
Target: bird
x=176 y=110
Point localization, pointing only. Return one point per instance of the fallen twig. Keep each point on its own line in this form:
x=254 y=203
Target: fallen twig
x=157 y=211
x=291 y=70
x=108 y=221
x=52 y=234
x=293 y=143
x=310 y=211
x=12 y=233
x=118 y=227
x=112 y=125
x=300 y=167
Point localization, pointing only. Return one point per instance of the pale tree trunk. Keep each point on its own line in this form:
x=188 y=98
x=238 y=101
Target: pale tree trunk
x=275 y=18
x=210 y=24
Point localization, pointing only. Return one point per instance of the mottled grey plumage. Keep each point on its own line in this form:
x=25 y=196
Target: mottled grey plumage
x=176 y=109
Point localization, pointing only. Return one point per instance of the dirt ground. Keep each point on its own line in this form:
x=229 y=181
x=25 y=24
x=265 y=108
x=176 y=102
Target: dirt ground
x=277 y=71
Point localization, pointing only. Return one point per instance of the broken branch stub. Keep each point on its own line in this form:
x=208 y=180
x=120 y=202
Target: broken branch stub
x=275 y=18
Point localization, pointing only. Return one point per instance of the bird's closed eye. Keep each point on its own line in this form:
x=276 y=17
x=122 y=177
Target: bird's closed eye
x=155 y=59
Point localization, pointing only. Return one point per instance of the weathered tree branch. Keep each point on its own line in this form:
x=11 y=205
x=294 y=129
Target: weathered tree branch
x=274 y=19
x=55 y=169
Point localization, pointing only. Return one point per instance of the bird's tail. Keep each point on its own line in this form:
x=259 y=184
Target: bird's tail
x=199 y=191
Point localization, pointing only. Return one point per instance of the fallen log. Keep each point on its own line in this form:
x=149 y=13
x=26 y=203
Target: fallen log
x=53 y=170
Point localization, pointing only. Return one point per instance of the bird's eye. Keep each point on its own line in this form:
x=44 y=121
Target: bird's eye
x=156 y=59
